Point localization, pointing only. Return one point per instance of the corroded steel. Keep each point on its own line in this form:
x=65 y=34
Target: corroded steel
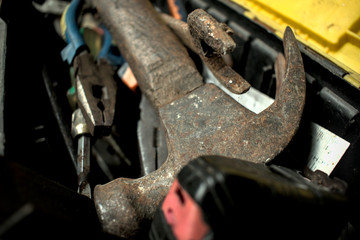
x=201 y=120
x=160 y=62
x=211 y=40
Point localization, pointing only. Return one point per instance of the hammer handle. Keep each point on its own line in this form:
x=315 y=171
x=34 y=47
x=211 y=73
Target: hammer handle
x=165 y=72
x=159 y=61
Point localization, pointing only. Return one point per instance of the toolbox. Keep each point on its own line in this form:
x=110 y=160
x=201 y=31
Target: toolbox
x=40 y=184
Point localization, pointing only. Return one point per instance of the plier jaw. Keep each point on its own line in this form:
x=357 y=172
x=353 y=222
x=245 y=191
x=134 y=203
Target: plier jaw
x=96 y=92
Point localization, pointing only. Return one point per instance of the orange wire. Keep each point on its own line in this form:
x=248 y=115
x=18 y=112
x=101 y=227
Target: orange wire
x=129 y=79
x=174 y=9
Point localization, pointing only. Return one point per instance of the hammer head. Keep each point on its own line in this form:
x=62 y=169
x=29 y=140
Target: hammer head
x=208 y=122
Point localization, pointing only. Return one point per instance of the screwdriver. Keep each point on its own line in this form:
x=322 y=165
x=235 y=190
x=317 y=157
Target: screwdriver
x=79 y=131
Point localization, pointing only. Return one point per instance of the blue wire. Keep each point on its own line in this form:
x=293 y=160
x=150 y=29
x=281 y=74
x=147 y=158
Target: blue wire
x=72 y=31
x=73 y=36
x=106 y=43
x=76 y=41
x=105 y=51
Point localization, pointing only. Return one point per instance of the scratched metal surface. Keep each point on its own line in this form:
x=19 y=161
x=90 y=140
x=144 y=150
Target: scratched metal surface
x=162 y=65
x=198 y=119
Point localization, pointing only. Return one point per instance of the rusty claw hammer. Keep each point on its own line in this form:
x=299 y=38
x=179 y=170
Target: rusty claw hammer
x=199 y=119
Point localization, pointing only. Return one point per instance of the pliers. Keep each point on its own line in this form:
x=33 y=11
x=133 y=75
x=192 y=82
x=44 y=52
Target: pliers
x=95 y=85
x=95 y=92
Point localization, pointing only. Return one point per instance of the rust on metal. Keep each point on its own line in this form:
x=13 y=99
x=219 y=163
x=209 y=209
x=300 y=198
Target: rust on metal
x=322 y=179
x=199 y=119
x=210 y=36
x=159 y=61
x=211 y=40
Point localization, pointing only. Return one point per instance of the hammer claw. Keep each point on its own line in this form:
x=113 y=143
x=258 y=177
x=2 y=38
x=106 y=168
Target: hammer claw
x=198 y=120
x=280 y=70
x=290 y=76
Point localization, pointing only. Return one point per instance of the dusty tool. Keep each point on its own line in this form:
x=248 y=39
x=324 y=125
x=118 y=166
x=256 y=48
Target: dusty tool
x=198 y=119
x=79 y=131
x=210 y=40
x=150 y=48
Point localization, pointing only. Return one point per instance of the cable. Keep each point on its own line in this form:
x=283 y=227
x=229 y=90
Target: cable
x=106 y=43
x=177 y=9
x=75 y=41
x=105 y=52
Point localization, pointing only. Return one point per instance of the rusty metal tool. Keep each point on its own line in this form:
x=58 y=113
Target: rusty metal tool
x=211 y=40
x=79 y=131
x=151 y=48
x=199 y=119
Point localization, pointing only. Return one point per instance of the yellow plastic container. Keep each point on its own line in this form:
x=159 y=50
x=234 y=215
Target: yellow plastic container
x=330 y=27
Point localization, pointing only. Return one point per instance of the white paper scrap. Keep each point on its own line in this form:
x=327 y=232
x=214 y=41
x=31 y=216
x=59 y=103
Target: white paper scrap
x=326 y=149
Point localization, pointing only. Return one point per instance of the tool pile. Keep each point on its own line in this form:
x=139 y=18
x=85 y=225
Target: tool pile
x=182 y=120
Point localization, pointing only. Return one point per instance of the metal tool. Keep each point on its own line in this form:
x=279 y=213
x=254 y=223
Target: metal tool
x=79 y=131
x=151 y=138
x=210 y=40
x=199 y=119
x=95 y=85
x=144 y=49
x=96 y=92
